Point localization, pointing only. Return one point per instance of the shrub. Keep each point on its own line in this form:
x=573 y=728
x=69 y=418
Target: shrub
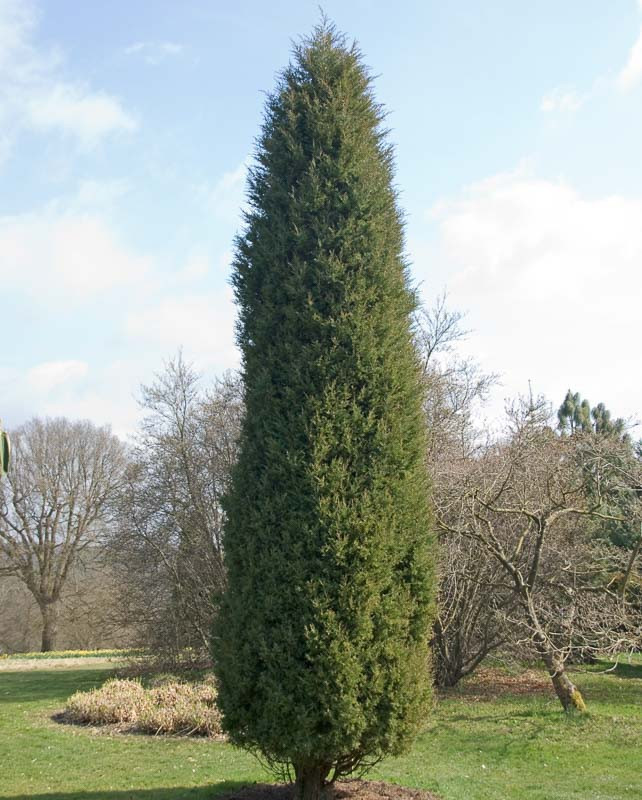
x=116 y=701
x=168 y=707
x=180 y=708
x=162 y=679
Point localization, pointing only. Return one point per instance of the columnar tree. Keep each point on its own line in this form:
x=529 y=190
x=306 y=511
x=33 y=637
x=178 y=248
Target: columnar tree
x=321 y=639
x=5 y=452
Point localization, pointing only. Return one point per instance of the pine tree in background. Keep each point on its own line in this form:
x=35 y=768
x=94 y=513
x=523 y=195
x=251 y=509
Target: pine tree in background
x=576 y=414
x=321 y=640
x=604 y=423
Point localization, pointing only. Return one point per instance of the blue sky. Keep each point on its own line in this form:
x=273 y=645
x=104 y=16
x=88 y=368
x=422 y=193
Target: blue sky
x=125 y=130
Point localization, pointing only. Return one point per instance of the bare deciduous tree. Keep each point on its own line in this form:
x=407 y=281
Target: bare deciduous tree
x=85 y=611
x=54 y=502
x=525 y=501
x=467 y=627
x=473 y=602
x=168 y=550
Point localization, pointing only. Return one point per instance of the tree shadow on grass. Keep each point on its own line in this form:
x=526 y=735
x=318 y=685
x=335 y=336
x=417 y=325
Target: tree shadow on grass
x=159 y=793
x=540 y=717
x=39 y=685
x=625 y=670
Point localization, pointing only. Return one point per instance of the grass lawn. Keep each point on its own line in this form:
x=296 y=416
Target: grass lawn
x=477 y=745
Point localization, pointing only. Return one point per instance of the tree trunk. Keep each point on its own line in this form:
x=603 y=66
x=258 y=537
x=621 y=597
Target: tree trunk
x=49 y=626
x=629 y=569
x=569 y=695
x=310 y=780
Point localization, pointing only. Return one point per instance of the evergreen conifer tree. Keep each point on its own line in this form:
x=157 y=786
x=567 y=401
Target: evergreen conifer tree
x=575 y=415
x=321 y=639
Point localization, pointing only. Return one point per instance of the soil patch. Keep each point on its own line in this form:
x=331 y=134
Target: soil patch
x=342 y=790
x=490 y=684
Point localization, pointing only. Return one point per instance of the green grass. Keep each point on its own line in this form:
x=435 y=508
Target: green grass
x=525 y=747
x=513 y=746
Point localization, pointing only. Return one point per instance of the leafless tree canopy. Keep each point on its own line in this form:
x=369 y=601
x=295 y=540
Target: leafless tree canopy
x=468 y=626
x=168 y=550
x=519 y=513
x=55 y=502
x=525 y=501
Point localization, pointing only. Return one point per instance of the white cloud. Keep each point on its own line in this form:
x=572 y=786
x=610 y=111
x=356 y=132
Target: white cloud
x=203 y=324
x=154 y=52
x=552 y=283
x=52 y=374
x=226 y=198
x=65 y=253
x=5 y=148
x=195 y=268
x=632 y=71
x=100 y=194
x=17 y=20
x=104 y=394
x=562 y=99
x=75 y=110
x=199 y=265
x=35 y=94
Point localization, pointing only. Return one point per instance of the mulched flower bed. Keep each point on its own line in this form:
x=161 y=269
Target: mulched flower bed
x=342 y=790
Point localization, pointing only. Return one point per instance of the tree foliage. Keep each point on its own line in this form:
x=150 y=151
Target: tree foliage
x=576 y=414
x=321 y=641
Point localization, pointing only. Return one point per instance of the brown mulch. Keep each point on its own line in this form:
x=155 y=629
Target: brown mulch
x=488 y=684
x=342 y=790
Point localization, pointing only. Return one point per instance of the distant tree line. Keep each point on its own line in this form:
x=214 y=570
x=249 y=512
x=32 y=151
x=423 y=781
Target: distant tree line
x=539 y=524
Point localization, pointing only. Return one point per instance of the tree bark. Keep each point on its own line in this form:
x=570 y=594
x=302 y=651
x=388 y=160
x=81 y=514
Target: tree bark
x=49 y=613
x=310 y=780
x=629 y=569
x=569 y=695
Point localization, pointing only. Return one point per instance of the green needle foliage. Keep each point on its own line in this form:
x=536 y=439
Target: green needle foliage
x=321 y=639
x=5 y=452
x=576 y=414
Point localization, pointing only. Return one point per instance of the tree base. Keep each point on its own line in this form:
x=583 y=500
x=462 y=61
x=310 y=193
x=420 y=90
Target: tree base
x=341 y=790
